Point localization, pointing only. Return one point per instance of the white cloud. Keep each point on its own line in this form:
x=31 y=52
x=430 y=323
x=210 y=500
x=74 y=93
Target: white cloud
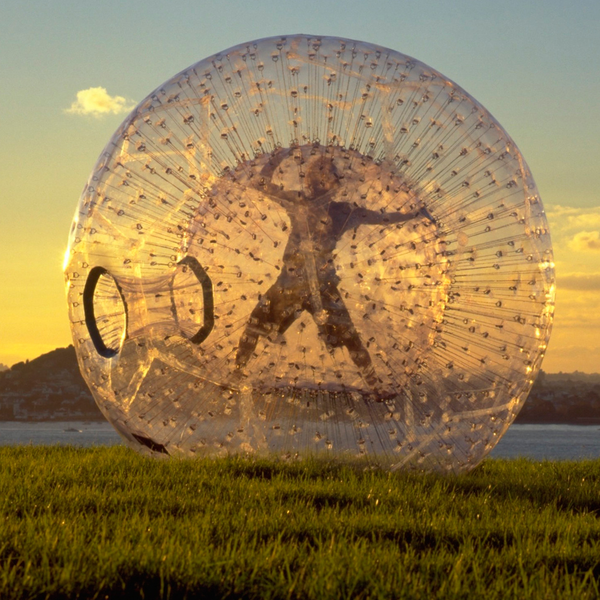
x=96 y=101
x=569 y=219
x=585 y=241
x=575 y=236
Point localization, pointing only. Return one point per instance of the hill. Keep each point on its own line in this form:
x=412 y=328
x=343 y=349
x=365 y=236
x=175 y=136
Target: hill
x=50 y=387
x=572 y=398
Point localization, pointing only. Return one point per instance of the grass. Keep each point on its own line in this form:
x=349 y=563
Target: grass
x=106 y=523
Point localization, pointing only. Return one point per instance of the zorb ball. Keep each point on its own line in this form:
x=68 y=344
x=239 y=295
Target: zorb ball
x=311 y=246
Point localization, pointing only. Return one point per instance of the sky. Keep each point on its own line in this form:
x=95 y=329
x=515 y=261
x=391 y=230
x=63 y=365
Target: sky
x=70 y=71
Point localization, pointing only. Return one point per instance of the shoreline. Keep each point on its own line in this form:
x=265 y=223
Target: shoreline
x=583 y=421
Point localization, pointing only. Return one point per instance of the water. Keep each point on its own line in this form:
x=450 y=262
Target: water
x=50 y=432
x=537 y=442
x=551 y=442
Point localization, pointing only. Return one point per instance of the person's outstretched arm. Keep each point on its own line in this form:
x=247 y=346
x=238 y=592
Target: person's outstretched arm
x=364 y=216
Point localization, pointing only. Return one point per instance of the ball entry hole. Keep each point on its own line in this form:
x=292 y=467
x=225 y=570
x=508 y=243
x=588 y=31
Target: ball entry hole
x=105 y=312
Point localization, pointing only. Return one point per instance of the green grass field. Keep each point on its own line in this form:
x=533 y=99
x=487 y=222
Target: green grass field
x=106 y=523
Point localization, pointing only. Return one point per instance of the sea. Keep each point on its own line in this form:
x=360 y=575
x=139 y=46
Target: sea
x=536 y=442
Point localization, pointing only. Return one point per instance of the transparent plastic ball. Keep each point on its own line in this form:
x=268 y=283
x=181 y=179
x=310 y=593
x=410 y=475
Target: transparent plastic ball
x=310 y=246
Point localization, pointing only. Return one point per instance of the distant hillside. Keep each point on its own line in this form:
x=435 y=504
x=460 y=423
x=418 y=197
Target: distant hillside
x=575 y=377
x=50 y=387
x=563 y=398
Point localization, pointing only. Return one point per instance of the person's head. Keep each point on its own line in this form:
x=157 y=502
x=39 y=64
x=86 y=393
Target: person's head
x=321 y=177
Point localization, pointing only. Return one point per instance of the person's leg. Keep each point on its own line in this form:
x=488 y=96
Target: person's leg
x=276 y=311
x=260 y=323
x=339 y=330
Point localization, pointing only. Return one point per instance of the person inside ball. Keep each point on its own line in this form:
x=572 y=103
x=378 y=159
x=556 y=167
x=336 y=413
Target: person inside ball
x=308 y=280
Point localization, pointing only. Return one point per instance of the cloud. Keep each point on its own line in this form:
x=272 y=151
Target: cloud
x=582 y=282
x=585 y=241
x=570 y=218
x=96 y=101
x=575 y=236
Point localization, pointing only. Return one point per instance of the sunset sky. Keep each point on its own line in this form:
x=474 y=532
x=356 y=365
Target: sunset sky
x=70 y=72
